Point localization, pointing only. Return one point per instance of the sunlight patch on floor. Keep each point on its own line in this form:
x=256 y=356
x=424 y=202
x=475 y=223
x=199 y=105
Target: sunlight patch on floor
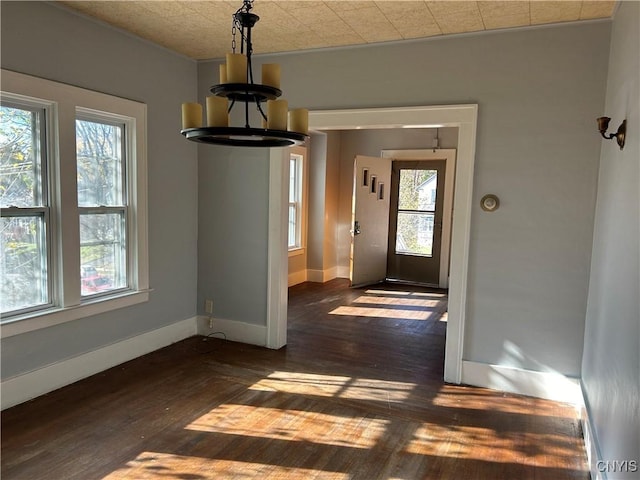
x=383 y=391
x=393 y=301
x=460 y=441
x=373 y=312
x=154 y=465
x=292 y=426
x=451 y=396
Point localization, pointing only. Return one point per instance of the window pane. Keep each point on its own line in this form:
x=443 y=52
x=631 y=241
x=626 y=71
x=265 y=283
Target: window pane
x=293 y=190
x=20 y=180
x=293 y=215
x=417 y=189
x=100 y=160
x=24 y=263
x=415 y=233
x=102 y=252
x=295 y=201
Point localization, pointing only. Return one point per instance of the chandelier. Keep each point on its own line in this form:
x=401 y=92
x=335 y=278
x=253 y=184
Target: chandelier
x=280 y=127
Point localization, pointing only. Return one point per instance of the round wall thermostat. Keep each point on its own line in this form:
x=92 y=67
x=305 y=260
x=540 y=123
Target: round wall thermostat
x=489 y=203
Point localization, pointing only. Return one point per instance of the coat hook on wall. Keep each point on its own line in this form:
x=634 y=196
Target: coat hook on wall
x=603 y=125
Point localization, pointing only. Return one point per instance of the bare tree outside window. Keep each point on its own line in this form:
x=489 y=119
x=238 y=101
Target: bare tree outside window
x=23 y=239
x=416 y=212
x=102 y=203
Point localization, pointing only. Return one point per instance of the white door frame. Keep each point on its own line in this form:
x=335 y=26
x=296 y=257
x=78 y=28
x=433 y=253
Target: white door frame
x=449 y=156
x=464 y=117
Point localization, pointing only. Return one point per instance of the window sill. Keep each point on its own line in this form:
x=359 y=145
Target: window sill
x=294 y=252
x=55 y=316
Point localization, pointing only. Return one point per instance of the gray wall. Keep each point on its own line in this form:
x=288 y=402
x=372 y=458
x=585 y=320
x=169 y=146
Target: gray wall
x=332 y=207
x=43 y=40
x=611 y=363
x=233 y=194
x=318 y=159
x=539 y=91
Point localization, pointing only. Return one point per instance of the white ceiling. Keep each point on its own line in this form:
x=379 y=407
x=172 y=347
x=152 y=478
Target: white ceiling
x=202 y=29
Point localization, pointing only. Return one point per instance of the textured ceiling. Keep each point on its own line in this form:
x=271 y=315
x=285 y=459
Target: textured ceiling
x=202 y=29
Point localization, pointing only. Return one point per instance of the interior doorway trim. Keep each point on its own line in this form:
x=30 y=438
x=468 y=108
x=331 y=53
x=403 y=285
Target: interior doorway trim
x=464 y=117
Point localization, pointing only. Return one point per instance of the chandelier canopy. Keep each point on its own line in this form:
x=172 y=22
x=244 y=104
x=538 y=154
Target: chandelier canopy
x=280 y=127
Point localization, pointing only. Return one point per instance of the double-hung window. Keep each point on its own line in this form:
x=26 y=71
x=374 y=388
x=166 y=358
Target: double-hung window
x=73 y=203
x=297 y=193
x=25 y=237
x=102 y=203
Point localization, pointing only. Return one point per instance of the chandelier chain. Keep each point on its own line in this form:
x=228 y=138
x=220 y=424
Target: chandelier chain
x=233 y=35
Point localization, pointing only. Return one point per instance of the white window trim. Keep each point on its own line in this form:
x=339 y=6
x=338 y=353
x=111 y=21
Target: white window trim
x=65 y=101
x=300 y=249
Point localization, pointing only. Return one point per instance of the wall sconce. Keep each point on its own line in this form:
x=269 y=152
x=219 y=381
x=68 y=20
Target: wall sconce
x=603 y=125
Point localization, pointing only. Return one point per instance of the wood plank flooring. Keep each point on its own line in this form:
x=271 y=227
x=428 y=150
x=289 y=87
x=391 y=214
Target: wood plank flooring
x=356 y=394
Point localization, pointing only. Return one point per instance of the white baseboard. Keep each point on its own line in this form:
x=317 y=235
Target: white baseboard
x=591 y=440
x=343 y=272
x=315 y=276
x=311 y=275
x=234 y=330
x=548 y=385
x=322 y=276
x=29 y=385
x=297 y=277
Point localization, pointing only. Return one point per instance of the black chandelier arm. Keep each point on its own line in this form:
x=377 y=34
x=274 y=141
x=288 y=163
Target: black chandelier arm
x=246 y=115
x=233 y=102
x=264 y=115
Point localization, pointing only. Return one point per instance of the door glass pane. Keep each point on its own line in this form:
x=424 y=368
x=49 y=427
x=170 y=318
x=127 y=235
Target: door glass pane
x=102 y=252
x=20 y=184
x=100 y=164
x=24 y=263
x=414 y=235
x=417 y=189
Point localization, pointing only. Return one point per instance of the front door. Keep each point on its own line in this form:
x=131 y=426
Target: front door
x=370 y=220
x=415 y=222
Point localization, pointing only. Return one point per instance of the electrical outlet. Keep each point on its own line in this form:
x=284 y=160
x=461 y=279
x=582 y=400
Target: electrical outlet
x=210 y=323
x=208 y=306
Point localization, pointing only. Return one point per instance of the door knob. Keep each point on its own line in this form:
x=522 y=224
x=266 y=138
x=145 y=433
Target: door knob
x=356 y=228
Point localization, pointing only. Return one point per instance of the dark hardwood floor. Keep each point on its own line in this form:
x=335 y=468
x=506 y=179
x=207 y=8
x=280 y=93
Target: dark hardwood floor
x=356 y=394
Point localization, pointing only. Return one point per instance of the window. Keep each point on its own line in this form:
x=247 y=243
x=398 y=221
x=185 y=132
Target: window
x=73 y=198
x=24 y=200
x=296 y=235
x=102 y=204
x=416 y=211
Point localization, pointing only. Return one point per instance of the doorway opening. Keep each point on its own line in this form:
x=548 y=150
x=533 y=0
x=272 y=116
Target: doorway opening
x=464 y=117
